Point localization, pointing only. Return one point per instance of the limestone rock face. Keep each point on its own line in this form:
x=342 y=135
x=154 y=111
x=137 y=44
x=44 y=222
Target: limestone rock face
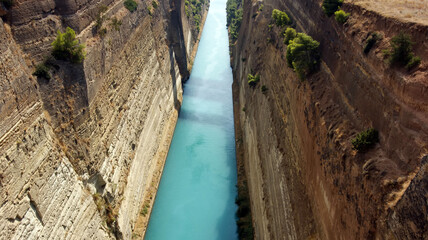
x=305 y=179
x=82 y=151
x=41 y=195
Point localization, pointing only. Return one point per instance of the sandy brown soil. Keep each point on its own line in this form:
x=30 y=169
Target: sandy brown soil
x=406 y=10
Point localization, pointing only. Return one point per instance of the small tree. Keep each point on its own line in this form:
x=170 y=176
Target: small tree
x=401 y=49
x=303 y=54
x=281 y=18
x=253 y=80
x=289 y=34
x=365 y=139
x=131 y=5
x=414 y=61
x=331 y=6
x=341 y=16
x=67 y=47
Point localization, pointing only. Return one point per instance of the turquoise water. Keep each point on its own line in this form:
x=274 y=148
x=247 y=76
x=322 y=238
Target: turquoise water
x=196 y=196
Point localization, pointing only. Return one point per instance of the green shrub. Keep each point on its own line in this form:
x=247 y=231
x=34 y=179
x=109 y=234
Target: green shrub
x=67 y=47
x=131 y=5
x=231 y=8
x=331 y=6
x=401 y=51
x=234 y=18
x=365 y=139
x=194 y=8
x=289 y=34
x=154 y=4
x=264 y=89
x=42 y=70
x=341 y=16
x=281 y=18
x=303 y=54
x=414 y=61
x=371 y=41
x=253 y=80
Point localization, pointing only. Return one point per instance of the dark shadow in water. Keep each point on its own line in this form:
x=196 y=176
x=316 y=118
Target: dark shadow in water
x=230 y=208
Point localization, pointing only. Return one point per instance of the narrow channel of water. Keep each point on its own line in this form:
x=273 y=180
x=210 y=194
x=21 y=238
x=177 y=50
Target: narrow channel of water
x=196 y=196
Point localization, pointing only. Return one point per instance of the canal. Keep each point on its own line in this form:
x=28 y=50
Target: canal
x=196 y=195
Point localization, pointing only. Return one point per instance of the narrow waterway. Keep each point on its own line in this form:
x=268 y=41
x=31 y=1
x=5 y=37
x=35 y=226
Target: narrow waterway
x=196 y=196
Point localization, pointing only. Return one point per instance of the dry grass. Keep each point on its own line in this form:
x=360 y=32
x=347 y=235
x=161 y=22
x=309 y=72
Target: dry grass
x=407 y=10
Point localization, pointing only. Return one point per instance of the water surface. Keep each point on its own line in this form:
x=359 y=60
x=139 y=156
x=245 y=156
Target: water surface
x=195 y=199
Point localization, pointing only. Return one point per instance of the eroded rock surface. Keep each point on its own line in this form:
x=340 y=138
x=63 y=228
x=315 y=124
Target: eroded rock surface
x=305 y=179
x=81 y=152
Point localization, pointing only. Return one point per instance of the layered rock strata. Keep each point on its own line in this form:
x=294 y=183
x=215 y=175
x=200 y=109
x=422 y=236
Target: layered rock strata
x=82 y=151
x=305 y=179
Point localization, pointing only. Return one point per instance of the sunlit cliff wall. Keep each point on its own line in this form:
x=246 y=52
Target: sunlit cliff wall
x=81 y=152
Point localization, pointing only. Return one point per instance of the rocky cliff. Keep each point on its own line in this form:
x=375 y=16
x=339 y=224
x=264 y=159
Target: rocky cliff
x=305 y=179
x=83 y=151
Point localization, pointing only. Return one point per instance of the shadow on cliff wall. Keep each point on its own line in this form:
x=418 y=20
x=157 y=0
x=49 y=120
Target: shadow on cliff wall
x=177 y=103
x=176 y=39
x=65 y=98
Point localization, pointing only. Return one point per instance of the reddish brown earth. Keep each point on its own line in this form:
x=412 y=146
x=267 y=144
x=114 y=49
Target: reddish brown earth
x=305 y=179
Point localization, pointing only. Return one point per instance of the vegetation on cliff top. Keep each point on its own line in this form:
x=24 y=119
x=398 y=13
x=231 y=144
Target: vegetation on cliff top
x=67 y=47
x=331 y=6
x=234 y=18
x=365 y=139
x=401 y=52
x=341 y=16
x=303 y=54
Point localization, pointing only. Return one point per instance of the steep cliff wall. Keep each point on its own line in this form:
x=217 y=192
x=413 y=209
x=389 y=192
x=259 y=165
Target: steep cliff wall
x=82 y=151
x=305 y=179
